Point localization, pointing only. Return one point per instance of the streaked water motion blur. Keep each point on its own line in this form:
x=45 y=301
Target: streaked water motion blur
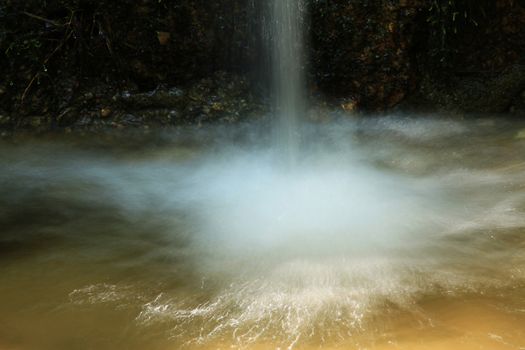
x=389 y=233
x=287 y=56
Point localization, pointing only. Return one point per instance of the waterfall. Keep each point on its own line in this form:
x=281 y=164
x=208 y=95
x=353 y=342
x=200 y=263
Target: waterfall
x=287 y=60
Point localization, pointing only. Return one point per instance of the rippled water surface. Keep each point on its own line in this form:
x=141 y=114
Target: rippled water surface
x=387 y=233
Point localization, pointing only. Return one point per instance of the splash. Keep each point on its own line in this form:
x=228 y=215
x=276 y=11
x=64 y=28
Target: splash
x=375 y=216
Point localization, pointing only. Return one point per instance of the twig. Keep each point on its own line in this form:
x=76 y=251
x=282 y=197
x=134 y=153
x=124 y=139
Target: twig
x=66 y=38
x=56 y=24
x=29 y=87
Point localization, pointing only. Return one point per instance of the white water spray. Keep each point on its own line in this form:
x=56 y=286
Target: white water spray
x=375 y=216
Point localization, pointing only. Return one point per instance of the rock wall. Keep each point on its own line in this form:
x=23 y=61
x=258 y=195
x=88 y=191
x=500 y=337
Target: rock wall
x=364 y=49
x=484 y=66
x=434 y=54
x=63 y=60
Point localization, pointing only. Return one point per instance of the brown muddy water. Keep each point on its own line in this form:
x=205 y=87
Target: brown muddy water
x=387 y=233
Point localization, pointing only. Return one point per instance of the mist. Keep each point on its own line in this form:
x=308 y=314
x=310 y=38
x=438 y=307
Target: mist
x=275 y=248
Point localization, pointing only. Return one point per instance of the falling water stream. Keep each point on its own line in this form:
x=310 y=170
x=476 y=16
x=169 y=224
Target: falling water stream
x=398 y=232
x=287 y=52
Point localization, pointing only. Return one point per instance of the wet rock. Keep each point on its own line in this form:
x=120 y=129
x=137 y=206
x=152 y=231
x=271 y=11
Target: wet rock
x=130 y=120
x=173 y=116
x=4 y=120
x=162 y=117
x=88 y=96
x=67 y=116
x=164 y=38
x=160 y=97
x=84 y=121
x=65 y=90
x=491 y=94
x=146 y=72
x=34 y=123
x=349 y=105
x=105 y=112
x=518 y=107
x=222 y=97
